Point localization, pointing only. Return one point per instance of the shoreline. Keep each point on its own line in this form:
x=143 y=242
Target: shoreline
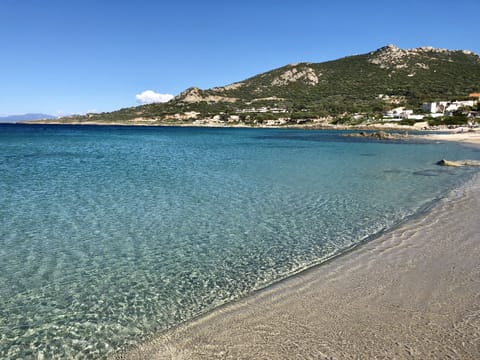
x=465 y=137
x=410 y=293
x=313 y=126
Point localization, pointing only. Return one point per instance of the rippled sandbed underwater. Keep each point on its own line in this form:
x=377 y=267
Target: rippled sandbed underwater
x=110 y=234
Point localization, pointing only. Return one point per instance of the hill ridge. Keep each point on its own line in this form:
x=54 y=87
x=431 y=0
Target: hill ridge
x=366 y=83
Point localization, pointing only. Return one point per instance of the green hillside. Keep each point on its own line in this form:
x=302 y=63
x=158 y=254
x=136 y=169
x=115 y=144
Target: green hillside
x=368 y=83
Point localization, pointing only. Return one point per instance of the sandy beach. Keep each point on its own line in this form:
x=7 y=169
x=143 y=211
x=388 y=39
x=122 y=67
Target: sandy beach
x=468 y=137
x=413 y=293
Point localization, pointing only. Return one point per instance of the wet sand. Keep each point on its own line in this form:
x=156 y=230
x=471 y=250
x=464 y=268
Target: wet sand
x=413 y=293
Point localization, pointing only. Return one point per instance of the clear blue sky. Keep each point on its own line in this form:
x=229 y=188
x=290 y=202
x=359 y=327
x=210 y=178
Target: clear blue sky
x=74 y=56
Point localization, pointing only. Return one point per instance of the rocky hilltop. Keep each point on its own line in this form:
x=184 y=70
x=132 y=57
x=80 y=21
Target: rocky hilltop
x=391 y=56
x=361 y=84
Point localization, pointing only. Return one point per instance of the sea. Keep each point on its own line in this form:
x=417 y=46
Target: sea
x=110 y=234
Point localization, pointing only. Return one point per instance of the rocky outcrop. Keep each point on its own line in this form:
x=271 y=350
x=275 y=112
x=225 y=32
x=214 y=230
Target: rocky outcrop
x=392 y=57
x=307 y=75
x=379 y=135
x=233 y=86
x=445 y=162
x=196 y=95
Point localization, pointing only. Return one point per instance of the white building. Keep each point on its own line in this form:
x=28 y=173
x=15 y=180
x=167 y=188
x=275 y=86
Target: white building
x=446 y=106
x=398 y=113
x=415 y=117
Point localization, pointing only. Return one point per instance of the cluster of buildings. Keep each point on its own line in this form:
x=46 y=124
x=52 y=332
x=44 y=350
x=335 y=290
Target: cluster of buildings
x=435 y=109
x=446 y=108
x=263 y=109
x=431 y=110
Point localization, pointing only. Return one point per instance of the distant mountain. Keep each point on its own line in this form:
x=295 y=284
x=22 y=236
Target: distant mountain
x=368 y=83
x=25 y=117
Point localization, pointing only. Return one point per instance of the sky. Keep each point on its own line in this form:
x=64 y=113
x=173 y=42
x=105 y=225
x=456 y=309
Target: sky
x=63 y=57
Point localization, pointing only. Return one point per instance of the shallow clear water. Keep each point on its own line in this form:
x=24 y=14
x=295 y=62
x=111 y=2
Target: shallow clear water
x=108 y=234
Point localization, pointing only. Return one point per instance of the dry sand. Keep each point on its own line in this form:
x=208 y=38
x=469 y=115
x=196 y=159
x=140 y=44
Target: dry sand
x=413 y=293
x=470 y=137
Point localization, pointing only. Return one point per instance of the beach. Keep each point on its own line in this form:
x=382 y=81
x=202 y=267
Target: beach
x=412 y=293
x=465 y=136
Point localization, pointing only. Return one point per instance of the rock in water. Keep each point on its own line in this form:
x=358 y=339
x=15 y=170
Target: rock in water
x=379 y=135
x=382 y=135
x=444 y=162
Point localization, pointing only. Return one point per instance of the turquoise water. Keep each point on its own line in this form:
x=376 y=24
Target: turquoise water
x=108 y=234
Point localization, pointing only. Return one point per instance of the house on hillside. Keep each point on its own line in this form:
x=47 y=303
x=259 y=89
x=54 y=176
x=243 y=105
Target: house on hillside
x=397 y=114
x=446 y=106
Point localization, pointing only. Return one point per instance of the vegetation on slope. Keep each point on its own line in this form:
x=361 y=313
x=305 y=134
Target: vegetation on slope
x=368 y=83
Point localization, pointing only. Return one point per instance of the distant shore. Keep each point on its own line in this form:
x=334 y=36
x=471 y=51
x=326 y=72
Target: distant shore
x=219 y=124
x=460 y=134
x=412 y=293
